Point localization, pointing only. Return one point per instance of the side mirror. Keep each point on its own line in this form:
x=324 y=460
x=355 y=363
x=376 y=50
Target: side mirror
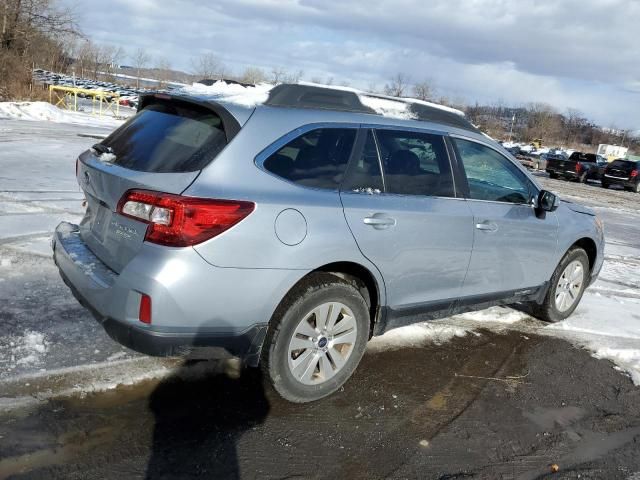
x=547 y=201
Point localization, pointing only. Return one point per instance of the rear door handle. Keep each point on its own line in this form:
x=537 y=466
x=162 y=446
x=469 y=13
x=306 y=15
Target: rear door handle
x=487 y=226
x=379 y=221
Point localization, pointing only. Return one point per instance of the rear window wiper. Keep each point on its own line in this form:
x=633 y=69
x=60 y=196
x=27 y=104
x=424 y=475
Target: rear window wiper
x=100 y=148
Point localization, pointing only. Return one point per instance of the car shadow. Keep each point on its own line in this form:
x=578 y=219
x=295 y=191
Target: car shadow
x=201 y=412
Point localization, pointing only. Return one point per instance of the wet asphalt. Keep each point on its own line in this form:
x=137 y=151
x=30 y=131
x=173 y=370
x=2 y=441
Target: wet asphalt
x=482 y=406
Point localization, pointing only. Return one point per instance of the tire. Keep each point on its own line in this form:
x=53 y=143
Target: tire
x=296 y=314
x=553 y=175
x=604 y=184
x=628 y=189
x=548 y=311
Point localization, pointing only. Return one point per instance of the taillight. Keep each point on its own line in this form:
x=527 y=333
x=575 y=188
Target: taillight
x=634 y=173
x=578 y=167
x=177 y=221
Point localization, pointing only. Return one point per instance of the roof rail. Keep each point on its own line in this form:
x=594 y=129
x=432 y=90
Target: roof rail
x=349 y=100
x=309 y=96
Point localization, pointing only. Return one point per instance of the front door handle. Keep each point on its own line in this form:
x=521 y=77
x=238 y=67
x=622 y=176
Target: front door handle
x=487 y=226
x=379 y=221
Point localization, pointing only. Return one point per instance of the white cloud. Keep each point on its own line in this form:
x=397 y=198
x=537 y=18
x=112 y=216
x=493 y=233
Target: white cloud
x=573 y=53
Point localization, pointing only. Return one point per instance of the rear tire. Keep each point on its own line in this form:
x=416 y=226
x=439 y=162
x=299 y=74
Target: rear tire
x=553 y=175
x=563 y=287
x=322 y=364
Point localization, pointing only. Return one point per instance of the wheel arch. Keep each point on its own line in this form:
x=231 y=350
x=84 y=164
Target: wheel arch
x=357 y=274
x=589 y=246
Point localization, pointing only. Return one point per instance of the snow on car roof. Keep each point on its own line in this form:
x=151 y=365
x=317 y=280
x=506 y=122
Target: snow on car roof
x=251 y=96
x=246 y=96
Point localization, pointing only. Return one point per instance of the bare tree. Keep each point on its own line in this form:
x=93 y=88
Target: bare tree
x=294 y=77
x=208 y=66
x=397 y=86
x=424 y=90
x=277 y=75
x=140 y=60
x=253 y=75
x=164 y=71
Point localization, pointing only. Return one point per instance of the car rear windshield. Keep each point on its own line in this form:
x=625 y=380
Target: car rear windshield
x=624 y=164
x=583 y=157
x=168 y=137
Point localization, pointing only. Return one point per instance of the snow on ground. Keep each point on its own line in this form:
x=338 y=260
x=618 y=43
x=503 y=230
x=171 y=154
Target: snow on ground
x=44 y=111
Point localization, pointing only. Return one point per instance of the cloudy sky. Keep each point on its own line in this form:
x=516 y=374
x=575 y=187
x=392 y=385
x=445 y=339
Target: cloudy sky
x=581 y=54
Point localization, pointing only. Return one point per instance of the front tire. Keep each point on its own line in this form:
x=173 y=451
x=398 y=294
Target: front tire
x=316 y=338
x=568 y=283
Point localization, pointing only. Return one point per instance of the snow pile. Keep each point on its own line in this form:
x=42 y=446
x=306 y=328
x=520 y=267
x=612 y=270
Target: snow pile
x=494 y=315
x=27 y=350
x=232 y=92
x=388 y=108
x=43 y=111
x=416 y=335
x=31 y=111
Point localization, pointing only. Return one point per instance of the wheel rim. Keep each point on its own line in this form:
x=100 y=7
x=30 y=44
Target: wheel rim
x=569 y=286
x=322 y=343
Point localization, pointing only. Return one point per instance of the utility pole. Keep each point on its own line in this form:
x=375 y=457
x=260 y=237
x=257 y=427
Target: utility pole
x=513 y=119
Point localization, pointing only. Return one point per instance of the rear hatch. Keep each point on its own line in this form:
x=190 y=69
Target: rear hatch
x=162 y=148
x=620 y=169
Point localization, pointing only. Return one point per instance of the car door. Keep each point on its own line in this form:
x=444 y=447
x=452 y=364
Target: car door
x=513 y=245
x=399 y=200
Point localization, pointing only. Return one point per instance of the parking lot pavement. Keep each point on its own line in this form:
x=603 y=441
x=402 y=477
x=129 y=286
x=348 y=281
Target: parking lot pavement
x=484 y=395
x=592 y=193
x=481 y=406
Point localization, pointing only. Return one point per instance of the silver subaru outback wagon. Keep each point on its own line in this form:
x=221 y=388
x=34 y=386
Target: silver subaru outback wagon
x=291 y=232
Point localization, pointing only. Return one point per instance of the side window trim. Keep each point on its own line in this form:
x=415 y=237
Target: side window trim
x=275 y=146
x=532 y=188
x=374 y=134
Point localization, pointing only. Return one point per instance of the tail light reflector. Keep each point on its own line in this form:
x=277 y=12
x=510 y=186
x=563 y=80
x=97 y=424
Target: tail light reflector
x=145 y=309
x=177 y=221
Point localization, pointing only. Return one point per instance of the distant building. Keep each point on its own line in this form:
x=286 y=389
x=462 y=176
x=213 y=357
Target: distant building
x=611 y=152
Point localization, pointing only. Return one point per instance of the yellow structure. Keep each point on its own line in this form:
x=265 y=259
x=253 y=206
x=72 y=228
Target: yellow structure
x=67 y=97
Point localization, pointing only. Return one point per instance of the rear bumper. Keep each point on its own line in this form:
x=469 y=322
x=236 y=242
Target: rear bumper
x=627 y=183
x=197 y=309
x=161 y=344
x=564 y=173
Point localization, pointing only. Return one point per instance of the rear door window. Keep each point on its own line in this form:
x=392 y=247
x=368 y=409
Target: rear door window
x=168 y=137
x=415 y=163
x=315 y=159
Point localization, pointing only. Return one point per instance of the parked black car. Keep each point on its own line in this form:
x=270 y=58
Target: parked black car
x=622 y=172
x=579 y=166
